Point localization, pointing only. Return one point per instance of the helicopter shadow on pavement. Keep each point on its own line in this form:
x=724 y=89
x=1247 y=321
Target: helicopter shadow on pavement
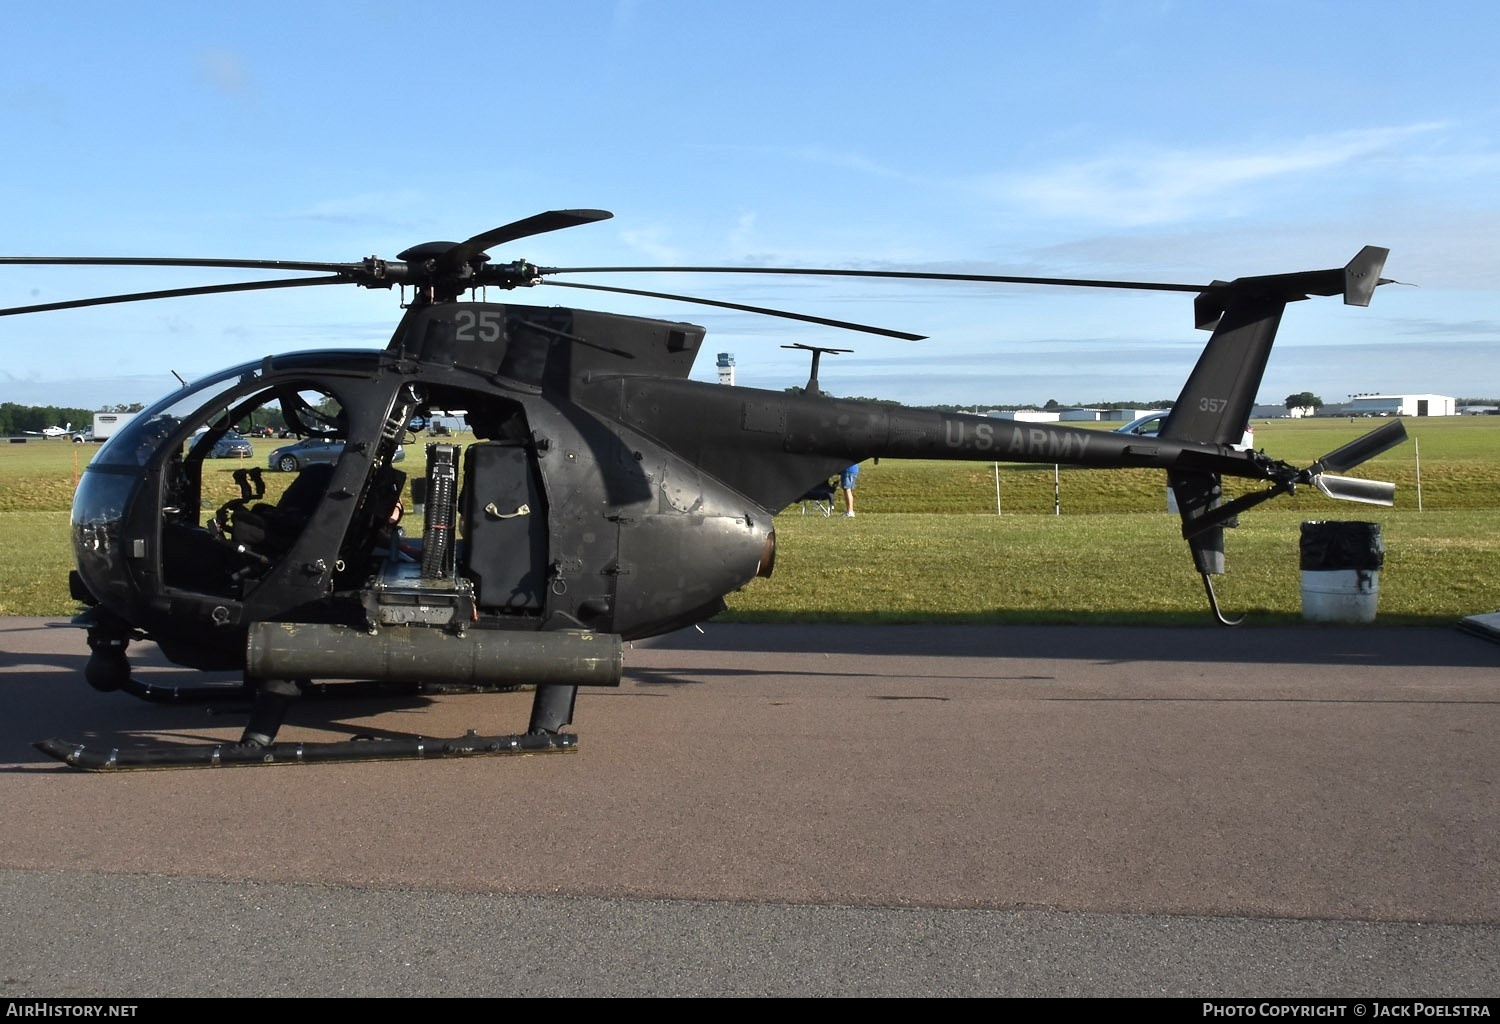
x=662 y=678
x=1305 y=643
x=45 y=696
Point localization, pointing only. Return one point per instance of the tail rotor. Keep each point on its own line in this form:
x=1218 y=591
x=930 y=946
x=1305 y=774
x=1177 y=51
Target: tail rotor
x=1362 y=449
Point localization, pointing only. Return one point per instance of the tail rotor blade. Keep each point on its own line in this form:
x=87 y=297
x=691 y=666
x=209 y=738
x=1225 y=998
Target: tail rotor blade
x=1348 y=488
x=1362 y=449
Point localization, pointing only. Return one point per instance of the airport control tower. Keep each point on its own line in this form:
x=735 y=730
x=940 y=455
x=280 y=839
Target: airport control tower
x=726 y=368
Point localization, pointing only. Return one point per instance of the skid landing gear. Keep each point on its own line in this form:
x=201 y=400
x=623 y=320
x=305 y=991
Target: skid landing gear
x=229 y=755
x=551 y=710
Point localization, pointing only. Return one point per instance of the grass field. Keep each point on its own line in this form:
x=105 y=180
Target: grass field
x=934 y=542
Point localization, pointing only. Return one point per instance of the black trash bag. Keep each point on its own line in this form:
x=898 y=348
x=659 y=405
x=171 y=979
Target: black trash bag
x=1328 y=546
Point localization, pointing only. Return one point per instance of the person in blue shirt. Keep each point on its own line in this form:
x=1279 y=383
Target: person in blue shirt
x=846 y=481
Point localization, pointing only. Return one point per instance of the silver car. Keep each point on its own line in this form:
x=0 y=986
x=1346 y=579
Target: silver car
x=290 y=458
x=1150 y=425
x=231 y=446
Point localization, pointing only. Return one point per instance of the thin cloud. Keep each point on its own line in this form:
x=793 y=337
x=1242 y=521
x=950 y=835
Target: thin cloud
x=1144 y=188
x=743 y=233
x=224 y=70
x=1484 y=330
x=391 y=209
x=820 y=155
x=851 y=162
x=36 y=99
x=648 y=241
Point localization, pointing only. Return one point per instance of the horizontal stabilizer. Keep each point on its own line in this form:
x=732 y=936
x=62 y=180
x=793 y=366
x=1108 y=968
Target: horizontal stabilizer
x=1348 y=488
x=1356 y=281
x=1362 y=449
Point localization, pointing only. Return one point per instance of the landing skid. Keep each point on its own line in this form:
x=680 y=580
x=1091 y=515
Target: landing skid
x=229 y=755
x=108 y=669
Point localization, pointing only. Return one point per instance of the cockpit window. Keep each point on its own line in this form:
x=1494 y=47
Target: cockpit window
x=309 y=412
x=230 y=510
x=143 y=436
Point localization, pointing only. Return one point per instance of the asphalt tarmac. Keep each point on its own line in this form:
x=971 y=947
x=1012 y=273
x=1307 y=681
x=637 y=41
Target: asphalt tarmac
x=782 y=811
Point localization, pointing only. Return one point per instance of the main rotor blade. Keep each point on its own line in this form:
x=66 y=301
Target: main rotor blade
x=846 y=325
x=451 y=259
x=909 y=275
x=1362 y=449
x=244 y=286
x=153 y=261
x=552 y=220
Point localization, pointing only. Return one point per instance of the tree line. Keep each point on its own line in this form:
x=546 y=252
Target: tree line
x=33 y=419
x=1305 y=400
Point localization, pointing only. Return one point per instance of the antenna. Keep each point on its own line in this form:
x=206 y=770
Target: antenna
x=817 y=352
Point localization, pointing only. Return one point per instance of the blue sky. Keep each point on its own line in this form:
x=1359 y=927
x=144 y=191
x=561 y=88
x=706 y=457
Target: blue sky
x=1168 y=141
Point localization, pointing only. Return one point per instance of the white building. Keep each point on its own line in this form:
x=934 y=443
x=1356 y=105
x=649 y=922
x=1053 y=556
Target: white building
x=726 y=368
x=1125 y=415
x=1026 y=415
x=1401 y=405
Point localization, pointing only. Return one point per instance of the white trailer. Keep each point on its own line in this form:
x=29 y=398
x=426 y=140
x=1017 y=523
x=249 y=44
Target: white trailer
x=106 y=423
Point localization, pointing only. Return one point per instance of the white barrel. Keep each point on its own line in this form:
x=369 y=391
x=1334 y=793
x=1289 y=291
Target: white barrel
x=1341 y=565
x=1340 y=595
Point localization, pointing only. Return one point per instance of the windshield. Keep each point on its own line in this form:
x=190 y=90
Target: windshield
x=142 y=437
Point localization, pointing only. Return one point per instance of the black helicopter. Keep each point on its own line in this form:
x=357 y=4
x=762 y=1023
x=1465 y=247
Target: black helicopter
x=606 y=497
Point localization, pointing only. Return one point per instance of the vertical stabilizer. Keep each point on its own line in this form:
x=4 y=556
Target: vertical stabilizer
x=1220 y=393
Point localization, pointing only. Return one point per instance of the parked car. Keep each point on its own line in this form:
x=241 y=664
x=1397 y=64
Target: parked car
x=231 y=446
x=1150 y=425
x=290 y=458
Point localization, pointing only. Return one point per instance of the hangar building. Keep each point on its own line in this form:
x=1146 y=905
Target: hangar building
x=1400 y=405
